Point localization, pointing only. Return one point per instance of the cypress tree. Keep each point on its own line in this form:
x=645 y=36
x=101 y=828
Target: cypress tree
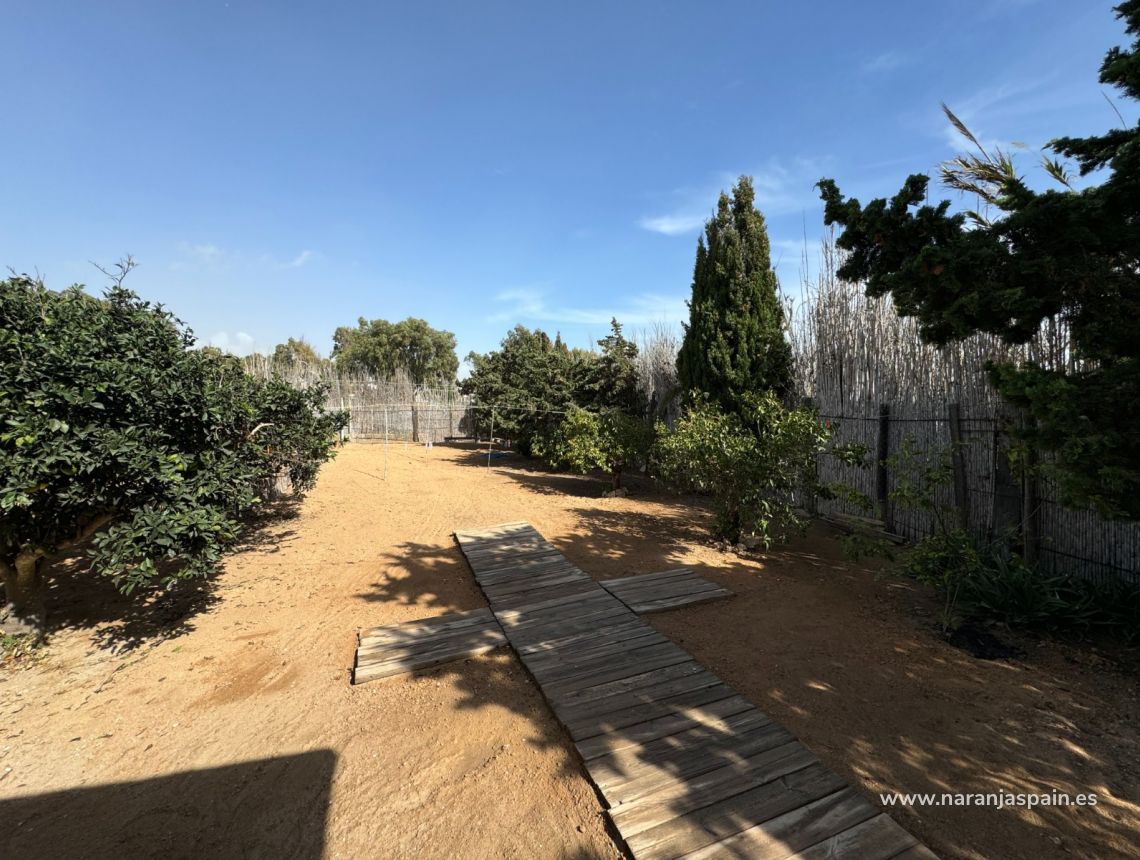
x=734 y=340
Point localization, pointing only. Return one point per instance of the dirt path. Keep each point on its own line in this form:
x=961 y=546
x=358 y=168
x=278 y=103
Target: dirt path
x=239 y=733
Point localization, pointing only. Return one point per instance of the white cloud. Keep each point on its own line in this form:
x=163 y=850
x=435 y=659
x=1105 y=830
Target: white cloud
x=300 y=260
x=674 y=225
x=782 y=187
x=238 y=342
x=887 y=61
x=530 y=305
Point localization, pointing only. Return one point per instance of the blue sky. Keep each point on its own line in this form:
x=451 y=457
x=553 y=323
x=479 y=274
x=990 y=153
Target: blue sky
x=279 y=169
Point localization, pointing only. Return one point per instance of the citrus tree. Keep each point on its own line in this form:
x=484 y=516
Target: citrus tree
x=113 y=428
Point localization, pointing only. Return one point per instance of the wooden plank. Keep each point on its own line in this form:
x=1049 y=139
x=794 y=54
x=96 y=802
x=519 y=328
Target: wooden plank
x=587 y=650
x=584 y=705
x=621 y=581
x=374 y=671
x=780 y=836
x=572 y=594
x=521 y=571
x=607 y=668
x=671 y=838
x=471 y=635
x=916 y=852
x=712 y=715
x=515 y=564
x=688 y=585
x=640 y=673
x=677 y=580
x=878 y=838
x=531 y=583
x=627 y=624
x=564 y=597
x=715 y=789
x=681 y=765
x=616 y=720
x=624 y=761
x=541 y=623
x=677 y=602
x=439 y=622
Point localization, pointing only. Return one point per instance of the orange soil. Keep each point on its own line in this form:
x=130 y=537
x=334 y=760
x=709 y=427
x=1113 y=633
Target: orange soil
x=221 y=723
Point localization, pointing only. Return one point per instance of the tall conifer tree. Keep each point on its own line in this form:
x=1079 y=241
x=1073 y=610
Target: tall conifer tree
x=734 y=340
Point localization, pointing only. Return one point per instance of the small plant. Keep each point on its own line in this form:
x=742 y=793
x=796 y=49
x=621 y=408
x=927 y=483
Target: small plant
x=16 y=647
x=986 y=581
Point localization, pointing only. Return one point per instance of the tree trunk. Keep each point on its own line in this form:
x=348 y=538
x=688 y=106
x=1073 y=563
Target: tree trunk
x=24 y=610
x=617 y=479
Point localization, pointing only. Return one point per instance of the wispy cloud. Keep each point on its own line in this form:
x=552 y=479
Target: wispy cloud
x=782 y=187
x=237 y=343
x=531 y=305
x=675 y=224
x=887 y=61
x=300 y=260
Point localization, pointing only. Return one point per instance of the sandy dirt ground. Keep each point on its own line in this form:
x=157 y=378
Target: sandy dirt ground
x=220 y=722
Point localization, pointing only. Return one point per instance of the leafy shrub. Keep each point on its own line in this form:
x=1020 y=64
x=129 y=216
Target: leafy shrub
x=987 y=583
x=755 y=465
x=584 y=441
x=115 y=427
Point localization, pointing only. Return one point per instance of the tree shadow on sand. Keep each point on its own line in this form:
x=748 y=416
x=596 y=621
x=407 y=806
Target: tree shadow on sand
x=76 y=598
x=821 y=677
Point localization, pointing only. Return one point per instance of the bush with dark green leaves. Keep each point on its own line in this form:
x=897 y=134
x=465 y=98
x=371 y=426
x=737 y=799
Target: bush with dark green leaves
x=986 y=582
x=611 y=441
x=115 y=428
x=759 y=465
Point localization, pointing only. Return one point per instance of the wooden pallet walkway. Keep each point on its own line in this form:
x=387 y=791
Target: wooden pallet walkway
x=670 y=589
x=398 y=648
x=687 y=767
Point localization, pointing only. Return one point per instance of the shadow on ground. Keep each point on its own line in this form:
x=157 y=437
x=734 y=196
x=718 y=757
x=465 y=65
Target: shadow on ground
x=79 y=599
x=272 y=807
x=838 y=660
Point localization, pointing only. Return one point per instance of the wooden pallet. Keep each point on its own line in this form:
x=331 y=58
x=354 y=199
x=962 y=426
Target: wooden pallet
x=686 y=766
x=399 y=648
x=670 y=589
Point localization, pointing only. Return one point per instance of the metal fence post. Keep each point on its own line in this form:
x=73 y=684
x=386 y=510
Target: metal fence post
x=882 y=455
x=490 y=437
x=958 y=463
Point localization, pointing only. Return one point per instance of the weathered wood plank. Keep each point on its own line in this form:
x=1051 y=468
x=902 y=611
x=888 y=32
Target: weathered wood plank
x=667 y=588
x=651 y=606
x=623 y=581
x=439 y=622
x=878 y=838
x=584 y=705
x=659 y=592
x=470 y=635
x=616 y=720
x=780 y=836
x=712 y=715
x=626 y=624
x=580 y=688
x=714 y=788
x=587 y=650
x=608 y=668
x=683 y=764
x=673 y=837
x=377 y=670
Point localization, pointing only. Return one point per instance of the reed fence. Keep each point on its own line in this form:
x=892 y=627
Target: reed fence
x=871 y=376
